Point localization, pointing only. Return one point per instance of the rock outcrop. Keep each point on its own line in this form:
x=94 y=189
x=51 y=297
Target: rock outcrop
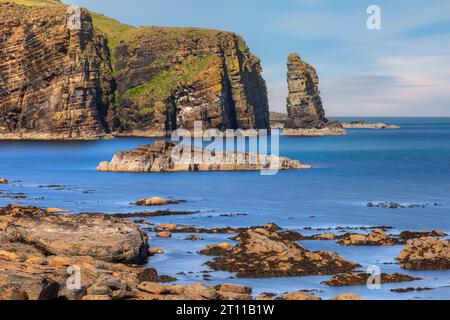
x=74 y=235
x=377 y=238
x=361 y=279
x=306 y=115
x=263 y=253
x=368 y=125
x=427 y=253
x=159 y=157
x=105 y=78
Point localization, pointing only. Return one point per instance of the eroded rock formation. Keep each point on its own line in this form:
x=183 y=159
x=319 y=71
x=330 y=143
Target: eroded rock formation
x=306 y=115
x=105 y=77
x=427 y=253
x=262 y=253
x=158 y=158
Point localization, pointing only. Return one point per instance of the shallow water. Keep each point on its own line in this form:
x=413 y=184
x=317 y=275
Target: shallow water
x=410 y=165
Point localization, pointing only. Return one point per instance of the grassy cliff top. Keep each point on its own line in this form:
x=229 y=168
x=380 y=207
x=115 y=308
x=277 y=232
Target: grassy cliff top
x=117 y=32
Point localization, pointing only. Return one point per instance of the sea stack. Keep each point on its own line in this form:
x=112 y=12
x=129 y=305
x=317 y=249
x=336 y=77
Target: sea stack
x=306 y=115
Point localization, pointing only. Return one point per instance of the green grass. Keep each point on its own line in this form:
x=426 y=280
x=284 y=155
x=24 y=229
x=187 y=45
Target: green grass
x=163 y=84
x=36 y=3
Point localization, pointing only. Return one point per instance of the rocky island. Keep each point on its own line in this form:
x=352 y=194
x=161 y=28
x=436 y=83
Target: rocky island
x=362 y=124
x=306 y=115
x=108 y=79
x=158 y=158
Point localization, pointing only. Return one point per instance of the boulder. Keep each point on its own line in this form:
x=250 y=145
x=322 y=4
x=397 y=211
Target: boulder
x=3 y=181
x=97 y=235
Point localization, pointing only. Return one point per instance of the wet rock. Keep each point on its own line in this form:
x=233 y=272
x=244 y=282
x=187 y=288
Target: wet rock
x=167 y=227
x=261 y=253
x=153 y=251
x=325 y=236
x=57 y=210
x=360 y=279
x=164 y=234
x=376 y=238
x=216 y=249
x=3 y=181
x=347 y=296
x=99 y=236
x=157 y=201
x=426 y=253
x=396 y=205
x=410 y=289
x=299 y=296
x=159 y=157
x=408 y=235
x=194 y=238
x=159 y=213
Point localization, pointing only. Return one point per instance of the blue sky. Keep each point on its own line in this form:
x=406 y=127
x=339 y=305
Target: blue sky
x=401 y=70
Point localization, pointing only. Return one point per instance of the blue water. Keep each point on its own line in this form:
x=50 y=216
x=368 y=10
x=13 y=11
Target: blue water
x=410 y=165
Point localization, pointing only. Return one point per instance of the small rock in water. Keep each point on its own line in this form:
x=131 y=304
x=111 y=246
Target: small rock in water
x=157 y=201
x=164 y=234
x=57 y=210
x=153 y=251
x=3 y=181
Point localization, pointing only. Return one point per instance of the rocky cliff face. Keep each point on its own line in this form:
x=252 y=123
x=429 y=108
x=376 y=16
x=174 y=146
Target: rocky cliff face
x=107 y=77
x=306 y=114
x=55 y=82
x=178 y=76
x=304 y=105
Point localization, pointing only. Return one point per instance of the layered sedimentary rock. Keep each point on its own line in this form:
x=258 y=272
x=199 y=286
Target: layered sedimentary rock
x=167 y=78
x=164 y=156
x=74 y=235
x=101 y=77
x=56 y=82
x=306 y=115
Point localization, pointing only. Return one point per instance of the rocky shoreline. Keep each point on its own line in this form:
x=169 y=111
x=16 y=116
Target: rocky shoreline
x=39 y=251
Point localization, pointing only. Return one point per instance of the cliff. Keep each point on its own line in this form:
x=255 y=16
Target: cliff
x=110 y=78
x=54 y=82
x=306 y=115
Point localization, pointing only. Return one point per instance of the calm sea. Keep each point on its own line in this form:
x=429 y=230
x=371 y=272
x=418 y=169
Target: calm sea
x=410 y=165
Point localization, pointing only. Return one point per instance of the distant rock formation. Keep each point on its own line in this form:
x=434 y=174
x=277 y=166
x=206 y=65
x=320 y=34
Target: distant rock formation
x=158 y=158
x=306 y=115
x=362 y=124
x=107 y=78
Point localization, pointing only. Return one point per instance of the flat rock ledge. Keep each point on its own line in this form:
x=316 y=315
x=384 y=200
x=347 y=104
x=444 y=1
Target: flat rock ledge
x=96 y=235
x=368 y=125
x=360 y=279
x=427 y=253
x=264 y=253
x=157 y=157
x=313 y=132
